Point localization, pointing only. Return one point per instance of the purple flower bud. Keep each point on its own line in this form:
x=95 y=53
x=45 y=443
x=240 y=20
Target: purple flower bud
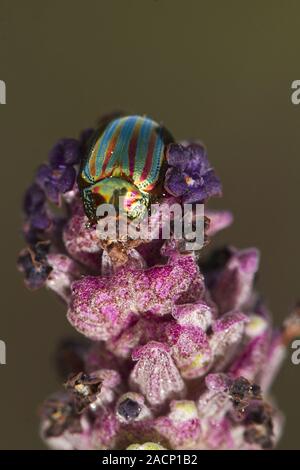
x=190 y=349
x=197 y=314
x=219 y=220
x=64 y=271
x=190 y=175
x=233 y=284
x=66 y=180
x=55 y=181
x=227 y=334
x=253 y=356
x=34 y=199
x=65 y=153
x=33 y=263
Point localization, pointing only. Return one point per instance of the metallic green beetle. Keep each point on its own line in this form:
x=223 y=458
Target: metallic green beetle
x=126 y=158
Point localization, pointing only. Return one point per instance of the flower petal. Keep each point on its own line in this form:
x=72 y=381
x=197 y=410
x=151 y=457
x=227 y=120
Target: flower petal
x=155 y=373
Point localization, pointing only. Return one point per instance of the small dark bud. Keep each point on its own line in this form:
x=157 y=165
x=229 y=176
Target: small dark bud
x=129 y=409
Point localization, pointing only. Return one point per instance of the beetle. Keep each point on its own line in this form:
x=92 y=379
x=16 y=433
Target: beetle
x=126 y=157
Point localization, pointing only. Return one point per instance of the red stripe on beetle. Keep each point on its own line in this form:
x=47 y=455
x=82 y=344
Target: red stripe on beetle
x=132 y=148
x=148 y=162
x=110 y=149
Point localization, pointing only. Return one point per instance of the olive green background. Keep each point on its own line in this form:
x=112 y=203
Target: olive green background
x=220 y=71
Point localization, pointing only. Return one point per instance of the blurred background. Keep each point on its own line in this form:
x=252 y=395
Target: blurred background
x=211 y=70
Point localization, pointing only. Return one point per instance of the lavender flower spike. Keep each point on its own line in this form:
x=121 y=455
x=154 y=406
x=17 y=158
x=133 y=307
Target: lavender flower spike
x=177 y=350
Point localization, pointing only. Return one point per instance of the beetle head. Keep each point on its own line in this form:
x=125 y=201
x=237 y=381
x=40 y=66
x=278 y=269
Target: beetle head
x=109 y=191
